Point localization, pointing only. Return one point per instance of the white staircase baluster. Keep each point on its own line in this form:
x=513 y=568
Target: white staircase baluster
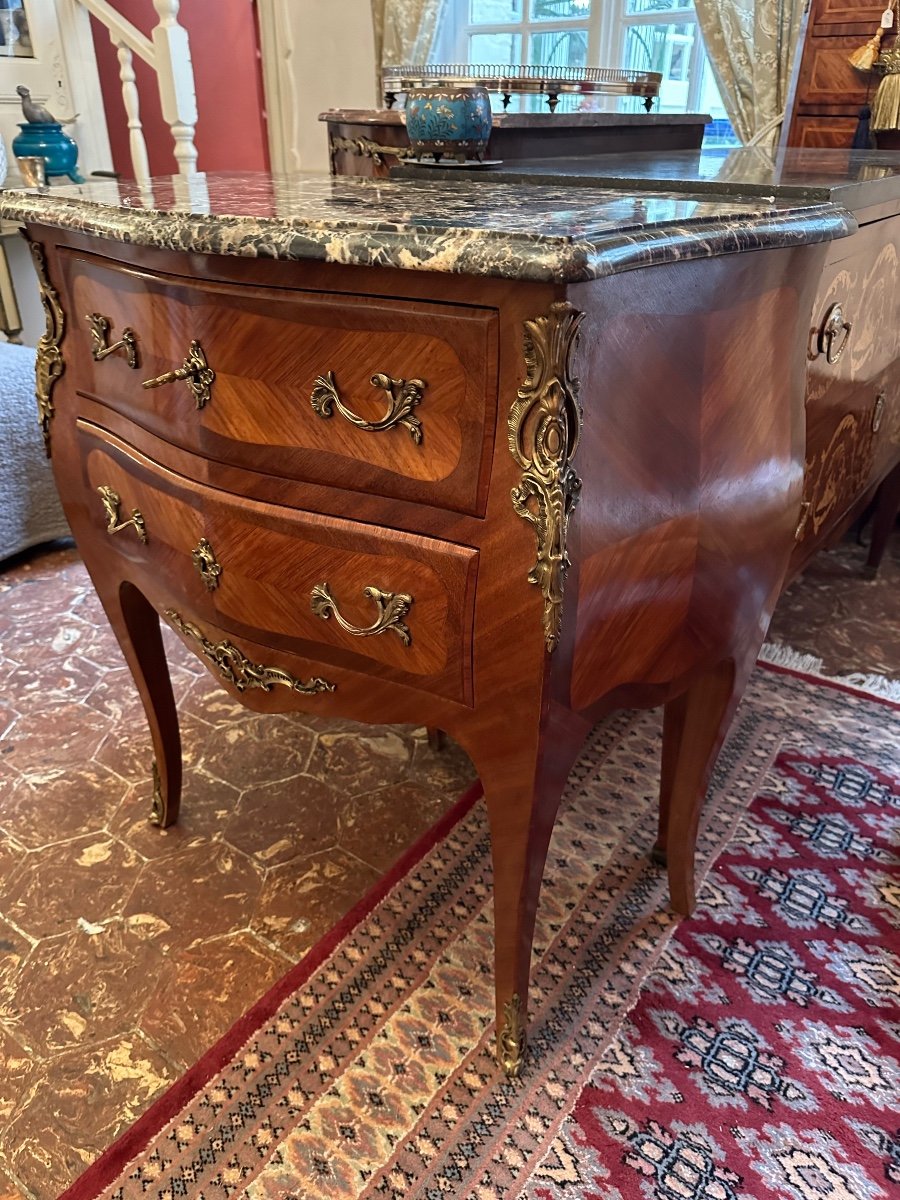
x=176 y=82
x=139 y=160
x=169 y=54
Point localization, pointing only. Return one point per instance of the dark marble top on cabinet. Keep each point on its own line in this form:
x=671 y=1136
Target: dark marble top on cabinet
x=543 y=232
x=852 y=178
x=524 y=120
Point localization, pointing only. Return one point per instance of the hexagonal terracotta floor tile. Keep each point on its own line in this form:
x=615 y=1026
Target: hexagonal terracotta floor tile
x=56 y=735
x=69 y=993
x=8 y=1189
x=236 y=757
x=92 y=878
x=202 y=991
x=286 y=819
x=14 y=949
x=62 y=1125
x=400 y=814
x=302 y=899
x=61 y=679
x=362 y=760
x=216 y=892
x=206 y=805
x=16 y=1066
x=41 y=809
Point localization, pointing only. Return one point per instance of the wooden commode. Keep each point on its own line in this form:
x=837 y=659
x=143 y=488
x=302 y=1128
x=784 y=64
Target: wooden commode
x=497 y=461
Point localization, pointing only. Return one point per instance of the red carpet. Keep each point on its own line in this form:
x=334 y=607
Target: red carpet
x=747 y=1053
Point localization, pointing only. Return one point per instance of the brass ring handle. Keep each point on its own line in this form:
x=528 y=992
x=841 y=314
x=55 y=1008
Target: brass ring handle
x=392 y=608
x=195 y=371
x=101 y=347
x=111 y=501
x=834 y=325
x=404 y=395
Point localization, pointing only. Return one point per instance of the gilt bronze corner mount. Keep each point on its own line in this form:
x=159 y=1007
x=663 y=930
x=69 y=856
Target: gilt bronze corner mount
x=545 y=424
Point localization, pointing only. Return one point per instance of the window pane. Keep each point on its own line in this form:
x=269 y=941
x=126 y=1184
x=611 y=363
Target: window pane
x=553 y=10
x=494 y=12
x=15 y=38
x=559 y=48
x=667 y=49
x=644 y=6
x=720 y=131
x=504 y=49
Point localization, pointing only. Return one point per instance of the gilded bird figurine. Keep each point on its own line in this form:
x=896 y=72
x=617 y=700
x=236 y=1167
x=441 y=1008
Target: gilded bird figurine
x=36 y=114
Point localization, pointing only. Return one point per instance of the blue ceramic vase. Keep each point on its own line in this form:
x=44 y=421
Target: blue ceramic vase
x=449 y=121
x=49 y=142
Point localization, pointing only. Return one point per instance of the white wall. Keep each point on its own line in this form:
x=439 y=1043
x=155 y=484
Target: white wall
x=317 y=54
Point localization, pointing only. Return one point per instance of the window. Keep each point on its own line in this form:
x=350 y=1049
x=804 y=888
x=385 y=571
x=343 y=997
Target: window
x=639 y=35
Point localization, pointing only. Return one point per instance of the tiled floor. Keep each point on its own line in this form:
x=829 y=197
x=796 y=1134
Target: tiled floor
x=125 y=951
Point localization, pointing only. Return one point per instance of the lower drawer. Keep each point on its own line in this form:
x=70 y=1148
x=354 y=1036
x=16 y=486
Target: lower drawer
x=380 y=601
x=845 y=449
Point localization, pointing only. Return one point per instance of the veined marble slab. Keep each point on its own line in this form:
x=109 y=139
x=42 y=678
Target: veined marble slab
x=475 y=227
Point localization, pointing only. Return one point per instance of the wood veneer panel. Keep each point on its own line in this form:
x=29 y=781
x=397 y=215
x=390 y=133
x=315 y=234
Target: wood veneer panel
x=827 y=78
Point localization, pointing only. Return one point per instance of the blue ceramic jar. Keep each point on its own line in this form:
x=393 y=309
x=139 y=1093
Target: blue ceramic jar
x=49 y=142
x=449 y=120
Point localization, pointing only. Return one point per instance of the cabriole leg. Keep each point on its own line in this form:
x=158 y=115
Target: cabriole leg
x=694 y=727
x=136 y=625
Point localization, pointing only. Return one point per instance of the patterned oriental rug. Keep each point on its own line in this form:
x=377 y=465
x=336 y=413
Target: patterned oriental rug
x=748 y=1053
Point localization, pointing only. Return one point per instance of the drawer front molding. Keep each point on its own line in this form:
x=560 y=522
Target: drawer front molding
x=239 y=670
x=545 y=425
x=49 y=364
x=392 y=608
x=403 y=396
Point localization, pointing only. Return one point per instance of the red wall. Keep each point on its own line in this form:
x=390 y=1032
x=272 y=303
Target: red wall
x=231 y=126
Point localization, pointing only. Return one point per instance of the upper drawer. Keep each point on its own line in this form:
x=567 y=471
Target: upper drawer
x=826 y=78
x=846 y=12
x=855 y=329
x=373 y=600
x=388 y=397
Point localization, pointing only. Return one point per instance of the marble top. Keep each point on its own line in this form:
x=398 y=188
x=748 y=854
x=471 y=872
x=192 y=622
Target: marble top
x=524 y=120
x=543 y=232
x=851 y=178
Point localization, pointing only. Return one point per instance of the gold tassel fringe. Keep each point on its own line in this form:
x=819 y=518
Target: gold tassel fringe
x=864 y=58
x=886 y=104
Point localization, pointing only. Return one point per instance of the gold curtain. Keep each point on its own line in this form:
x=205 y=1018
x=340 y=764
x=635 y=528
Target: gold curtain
x=751 y=46
x=404 y=30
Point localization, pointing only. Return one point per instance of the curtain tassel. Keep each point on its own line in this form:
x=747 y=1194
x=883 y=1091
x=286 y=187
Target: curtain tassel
x=864 y=58
x=862 y=139
x=886 y=103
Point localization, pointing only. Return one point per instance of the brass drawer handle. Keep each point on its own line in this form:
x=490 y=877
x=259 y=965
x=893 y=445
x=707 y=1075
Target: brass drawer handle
x=101 y=347
x=204 y=559
x=878 y=412
x=111 y=501
x=403 y=396
x=238 y=669
x=195 y=371
x=392 y=608
x=832 y=327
